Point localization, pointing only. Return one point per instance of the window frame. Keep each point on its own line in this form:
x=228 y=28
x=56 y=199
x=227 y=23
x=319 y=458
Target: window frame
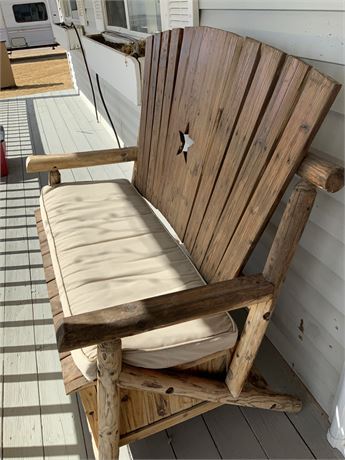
x=70 y=18
x=127 y=30
x=31 y=3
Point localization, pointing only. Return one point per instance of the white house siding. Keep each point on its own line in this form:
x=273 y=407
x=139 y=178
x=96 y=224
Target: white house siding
x=124 y=114
x=308 y=325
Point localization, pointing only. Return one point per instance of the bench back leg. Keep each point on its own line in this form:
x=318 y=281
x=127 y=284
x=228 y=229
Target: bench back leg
x=108 y=394
x=283 y=248
x=248 y=345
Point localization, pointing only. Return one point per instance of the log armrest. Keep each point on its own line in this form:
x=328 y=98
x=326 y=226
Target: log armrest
x=42 y=163
x=156 y=312
x=322 y=173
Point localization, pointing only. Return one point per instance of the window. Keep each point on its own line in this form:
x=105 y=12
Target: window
x=144 y=16
x=70 y=9
x=74 y=9
x=30 y=12
x=137 y=15
x=66 y=7
x=116 y=13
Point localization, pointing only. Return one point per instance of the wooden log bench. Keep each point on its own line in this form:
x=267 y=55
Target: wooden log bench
x=226 y=122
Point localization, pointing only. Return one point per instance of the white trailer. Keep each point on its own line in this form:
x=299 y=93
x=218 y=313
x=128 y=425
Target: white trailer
x=27 y=24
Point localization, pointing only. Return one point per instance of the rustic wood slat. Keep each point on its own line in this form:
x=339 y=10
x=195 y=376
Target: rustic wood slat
x=88 y=398
x=182 y=105
x=145 y=139
x=158 y=107
x=184 y=50
x=256 y=99
x=187 y=109
x=244 y=178
x=315 y=100
x=240 y=74
x=172 y=66
x=201 y=116
x=139 y=178
x=167 y=422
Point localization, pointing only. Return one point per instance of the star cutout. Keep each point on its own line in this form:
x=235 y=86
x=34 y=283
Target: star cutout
x=186 y=143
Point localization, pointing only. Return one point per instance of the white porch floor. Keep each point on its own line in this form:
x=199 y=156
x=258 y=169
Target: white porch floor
x=37 y=419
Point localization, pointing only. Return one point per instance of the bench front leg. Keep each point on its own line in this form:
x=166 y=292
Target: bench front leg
x=109 y=361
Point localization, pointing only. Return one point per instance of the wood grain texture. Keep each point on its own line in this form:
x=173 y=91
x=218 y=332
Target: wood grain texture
x=264 y=78
x=322 y=173
x=157 y=171
x=313 y=104
x=152 y=51
x=88 y=398
x=109 y=362
x=41 y=163
x=205 y=389
x=289 y=232
x=54 y=177
x=243 y=358
x=188 y=72
x=158 y=110
x=197 y=117
x=148 y=314
x=261 y=100
x=247 y=158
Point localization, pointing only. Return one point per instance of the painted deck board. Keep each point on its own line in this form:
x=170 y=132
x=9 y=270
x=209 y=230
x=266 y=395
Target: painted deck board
x=51 y=424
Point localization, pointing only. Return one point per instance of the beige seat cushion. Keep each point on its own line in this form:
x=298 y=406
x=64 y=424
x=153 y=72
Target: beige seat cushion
x=109 y=248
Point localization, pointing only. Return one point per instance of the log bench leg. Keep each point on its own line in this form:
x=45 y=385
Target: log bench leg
x=247 y=347
x=54 y=177
x=108 y=399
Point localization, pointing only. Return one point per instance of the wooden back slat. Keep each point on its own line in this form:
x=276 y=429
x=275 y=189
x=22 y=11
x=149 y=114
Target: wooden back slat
x=158 y=107
x=149 y=97
x=239 y=78
x=200 y=116
x=313 y=104
x=251 y=111
x=181 y=112
x=255 y=103
x=157 y=171
x=220 y=224
x=143 y=159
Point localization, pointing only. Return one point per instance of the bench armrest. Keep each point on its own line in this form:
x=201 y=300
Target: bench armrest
x=322 y=173
x=42 y=163
x=156 y=312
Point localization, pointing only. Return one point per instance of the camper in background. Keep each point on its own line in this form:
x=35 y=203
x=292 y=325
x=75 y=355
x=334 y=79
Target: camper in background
x=25 y=24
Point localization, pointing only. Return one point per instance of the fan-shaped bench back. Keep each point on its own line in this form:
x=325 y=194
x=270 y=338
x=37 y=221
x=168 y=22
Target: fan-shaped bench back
x=251 y=112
